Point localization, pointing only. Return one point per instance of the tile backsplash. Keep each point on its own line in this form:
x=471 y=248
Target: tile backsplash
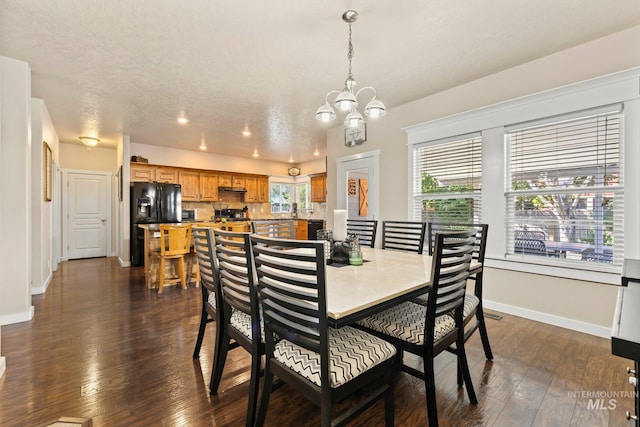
x=256 y=210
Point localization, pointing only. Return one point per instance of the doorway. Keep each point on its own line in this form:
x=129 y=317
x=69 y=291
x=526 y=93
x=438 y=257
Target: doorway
x=86 y=214
x=358 y=181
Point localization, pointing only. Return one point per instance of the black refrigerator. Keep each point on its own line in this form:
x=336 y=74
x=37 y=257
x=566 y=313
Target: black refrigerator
x=152 y=203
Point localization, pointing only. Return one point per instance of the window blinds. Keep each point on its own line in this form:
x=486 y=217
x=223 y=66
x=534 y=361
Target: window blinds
x=564 y=186
x=447 y=180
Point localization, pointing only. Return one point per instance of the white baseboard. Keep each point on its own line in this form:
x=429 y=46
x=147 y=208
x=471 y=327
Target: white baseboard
x=42 y=288
x=551 y=319
x=3 y=365
x=124 y=263
x=17 y=317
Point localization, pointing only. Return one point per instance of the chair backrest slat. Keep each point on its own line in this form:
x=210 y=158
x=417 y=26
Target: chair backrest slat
x=277 y=228
x=235 y=270
x=452 y=256
x=480 y=244
x=403 y=235
x=365 y=229
x=292 y=291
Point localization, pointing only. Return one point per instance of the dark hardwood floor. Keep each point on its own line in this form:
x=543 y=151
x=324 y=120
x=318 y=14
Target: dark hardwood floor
x=102 y=346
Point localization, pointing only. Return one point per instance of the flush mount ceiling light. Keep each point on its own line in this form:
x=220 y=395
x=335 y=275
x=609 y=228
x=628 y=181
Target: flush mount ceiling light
x=346 y=100
x=89 y=141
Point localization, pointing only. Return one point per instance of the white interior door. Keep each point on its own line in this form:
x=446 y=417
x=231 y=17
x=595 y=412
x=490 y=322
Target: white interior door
x=87 y=215
x=363 y=166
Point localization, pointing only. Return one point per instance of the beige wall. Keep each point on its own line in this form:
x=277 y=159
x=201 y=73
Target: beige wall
x=76 y=156
x=559 y=301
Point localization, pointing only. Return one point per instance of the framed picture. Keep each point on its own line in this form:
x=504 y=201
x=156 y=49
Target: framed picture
x=47 y=171
x=355 y=136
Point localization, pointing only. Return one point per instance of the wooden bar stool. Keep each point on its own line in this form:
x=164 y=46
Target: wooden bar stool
x=175 y=243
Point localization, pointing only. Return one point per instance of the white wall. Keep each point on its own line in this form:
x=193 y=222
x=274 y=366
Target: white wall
x=41 y=211
x=15 y=188
x=581 y=305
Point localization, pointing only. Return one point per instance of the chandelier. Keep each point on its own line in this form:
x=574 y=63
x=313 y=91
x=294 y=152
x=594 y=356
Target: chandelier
x=346 y=100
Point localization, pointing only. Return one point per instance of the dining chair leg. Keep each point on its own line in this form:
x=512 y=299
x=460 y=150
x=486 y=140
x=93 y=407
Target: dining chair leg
x=266 y=394
x=203 y=324
x=483 y=333
x=219 y=359
x=464 y=366
x=253 y=389
x=389 y=399
x=430 y=390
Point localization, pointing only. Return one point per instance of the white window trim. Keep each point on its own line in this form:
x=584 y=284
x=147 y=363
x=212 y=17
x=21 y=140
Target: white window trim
x=622 y=87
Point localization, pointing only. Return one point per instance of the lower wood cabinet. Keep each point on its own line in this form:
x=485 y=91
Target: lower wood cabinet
x=300 y=230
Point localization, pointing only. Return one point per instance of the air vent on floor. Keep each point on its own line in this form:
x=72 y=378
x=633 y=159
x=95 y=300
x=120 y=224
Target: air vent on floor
x=492 y=316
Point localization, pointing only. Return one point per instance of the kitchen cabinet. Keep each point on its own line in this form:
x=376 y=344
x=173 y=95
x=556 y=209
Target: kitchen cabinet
x=167 y=175
x=224 y=180
x=300 y=230
x=190 y=182
x=208 y=187
x=319 y=188
x=238 y=181
x=142 y=173
x=263 y=189
x=251 y=195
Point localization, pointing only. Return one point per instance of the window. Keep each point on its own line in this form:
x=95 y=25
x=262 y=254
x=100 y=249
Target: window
x=281 y=197
x=564 y=187
x=447 y=180
x=303 y=196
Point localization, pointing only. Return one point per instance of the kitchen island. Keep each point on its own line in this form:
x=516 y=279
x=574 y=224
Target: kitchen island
x=152 y=245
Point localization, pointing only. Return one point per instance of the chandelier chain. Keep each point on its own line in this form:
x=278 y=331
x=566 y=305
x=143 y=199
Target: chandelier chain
x=350 y=52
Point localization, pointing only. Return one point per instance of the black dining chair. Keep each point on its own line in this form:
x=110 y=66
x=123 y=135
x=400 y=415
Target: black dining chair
x=364 y=229
x=240 y=314
x=473 y=308
x=323 y=364
x=404 y=235
x=204 y=251
x=429 y=330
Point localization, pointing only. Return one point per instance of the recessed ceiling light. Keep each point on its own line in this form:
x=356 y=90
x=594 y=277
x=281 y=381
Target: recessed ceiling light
x=203 y=147
x=246 y=131
x=291 y=159
x=183 y=120
x=255 y=153
x=316 y=153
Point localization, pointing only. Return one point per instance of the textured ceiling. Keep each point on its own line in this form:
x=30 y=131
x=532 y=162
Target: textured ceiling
x=107 y=68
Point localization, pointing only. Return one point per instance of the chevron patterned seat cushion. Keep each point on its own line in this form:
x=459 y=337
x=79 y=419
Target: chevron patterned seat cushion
x=351 y=352
x=242 y=322
x=470 y=303
x=406 y=322
x=212 y=299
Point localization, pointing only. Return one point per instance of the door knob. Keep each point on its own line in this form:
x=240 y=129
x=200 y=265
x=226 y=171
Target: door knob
x=103 y=220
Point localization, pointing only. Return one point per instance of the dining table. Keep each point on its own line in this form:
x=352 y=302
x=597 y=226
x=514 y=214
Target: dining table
x=385 y=278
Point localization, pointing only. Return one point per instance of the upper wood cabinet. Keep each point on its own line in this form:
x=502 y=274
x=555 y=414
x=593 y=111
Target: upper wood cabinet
x=168 y=175
x=190 y=182
x=224 y=180
x=319 y=188
x=202 y=186
x=142 y=173
x=263 y=189
x=238 y=181
x=251 y=183
x=208 y=187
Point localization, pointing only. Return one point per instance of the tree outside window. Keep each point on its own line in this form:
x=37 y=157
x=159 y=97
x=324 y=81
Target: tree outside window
x=281 y=196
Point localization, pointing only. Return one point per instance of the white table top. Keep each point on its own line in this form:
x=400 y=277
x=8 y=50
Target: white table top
x=388 y=274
